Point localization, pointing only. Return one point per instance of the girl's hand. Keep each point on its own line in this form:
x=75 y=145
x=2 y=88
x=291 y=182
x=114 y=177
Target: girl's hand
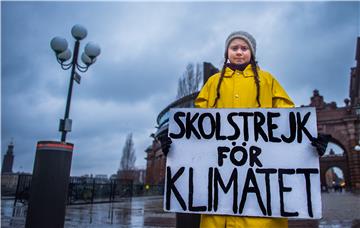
x=321 y=143
x=165 y=146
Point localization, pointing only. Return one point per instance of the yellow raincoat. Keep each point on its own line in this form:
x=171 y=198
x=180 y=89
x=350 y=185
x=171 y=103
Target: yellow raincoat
x=238 y=90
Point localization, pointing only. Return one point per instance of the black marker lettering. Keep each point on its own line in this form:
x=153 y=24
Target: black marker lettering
x=244 y=156
x=259 y=120
x=283 y=189
x=271 y=126
x=233 y=180
x=234 y=125
x=190 y=125
x=210 y=189
x=250 y=177
x=177 y=116
x=201 y=125
x=254 y=153
x=218 y=128
x=245 y=116
x=221 y=155
x=191 y=193
x=267 y=173
x=301 y=126
x=292 y=123
x=170 y=187
x=307 y=173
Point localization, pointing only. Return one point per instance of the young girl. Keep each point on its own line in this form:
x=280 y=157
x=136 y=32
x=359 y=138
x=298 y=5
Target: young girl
x=242 y=84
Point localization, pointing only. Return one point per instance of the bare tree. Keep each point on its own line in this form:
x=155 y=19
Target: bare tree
x=128 y=156
x=190 y=80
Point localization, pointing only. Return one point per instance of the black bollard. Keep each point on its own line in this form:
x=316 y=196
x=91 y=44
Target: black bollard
x=49 y=185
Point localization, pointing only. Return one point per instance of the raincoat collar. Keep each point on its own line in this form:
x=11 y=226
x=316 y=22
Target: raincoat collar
x=247 y=71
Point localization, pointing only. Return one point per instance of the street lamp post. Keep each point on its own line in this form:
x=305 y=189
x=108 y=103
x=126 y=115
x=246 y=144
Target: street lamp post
x=51 y=173
x=60 y=47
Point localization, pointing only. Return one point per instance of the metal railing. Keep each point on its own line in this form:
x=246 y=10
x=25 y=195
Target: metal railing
x=91 y=190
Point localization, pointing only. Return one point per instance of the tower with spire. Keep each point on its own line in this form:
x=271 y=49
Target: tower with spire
x=8 y=160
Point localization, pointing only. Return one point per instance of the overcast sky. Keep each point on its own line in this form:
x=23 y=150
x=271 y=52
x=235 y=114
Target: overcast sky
x=145 y=49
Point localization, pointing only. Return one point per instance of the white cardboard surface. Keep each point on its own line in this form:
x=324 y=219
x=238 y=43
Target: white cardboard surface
x=201 y=158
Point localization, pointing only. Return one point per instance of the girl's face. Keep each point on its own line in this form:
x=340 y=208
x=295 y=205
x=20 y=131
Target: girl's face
x=239 y=51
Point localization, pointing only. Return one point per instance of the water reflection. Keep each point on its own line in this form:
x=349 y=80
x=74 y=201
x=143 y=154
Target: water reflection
x=340 y=224
x=111 y=212
x=123 y=212
x=19 y=211
x=12 y=215
x=339 y=210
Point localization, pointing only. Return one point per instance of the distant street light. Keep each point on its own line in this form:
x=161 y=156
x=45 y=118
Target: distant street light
x=357 y=147
x=63 y=54
x=357 y=110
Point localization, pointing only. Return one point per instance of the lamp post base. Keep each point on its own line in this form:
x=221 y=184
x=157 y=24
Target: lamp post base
x=49 y=185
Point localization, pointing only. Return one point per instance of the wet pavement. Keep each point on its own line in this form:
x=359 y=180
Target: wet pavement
x=339 y=210
x=144 y=212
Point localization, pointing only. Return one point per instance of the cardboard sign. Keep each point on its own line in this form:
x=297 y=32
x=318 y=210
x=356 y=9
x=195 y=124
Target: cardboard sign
x=243 y=162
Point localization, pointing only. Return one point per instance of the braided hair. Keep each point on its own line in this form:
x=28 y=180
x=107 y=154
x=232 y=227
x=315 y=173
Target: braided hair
x=256 y=77
x=257 y=80
x=220 y=81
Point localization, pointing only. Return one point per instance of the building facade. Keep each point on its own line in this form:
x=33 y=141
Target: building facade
x=9 y=182
x=343 y=124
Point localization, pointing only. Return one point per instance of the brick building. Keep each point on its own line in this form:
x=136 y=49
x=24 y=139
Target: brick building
x=155 y=166
x=343 y=124
x=136 y=176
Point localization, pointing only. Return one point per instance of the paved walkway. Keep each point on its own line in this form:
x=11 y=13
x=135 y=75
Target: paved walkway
x=339 y=210
x=130 y=212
